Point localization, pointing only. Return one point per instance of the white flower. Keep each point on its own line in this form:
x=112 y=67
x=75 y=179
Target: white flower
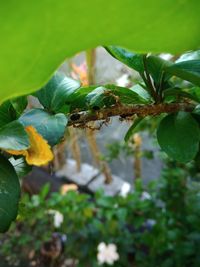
x=145 y=196
x=125 y=189
x=58 y=217
x=107 y=253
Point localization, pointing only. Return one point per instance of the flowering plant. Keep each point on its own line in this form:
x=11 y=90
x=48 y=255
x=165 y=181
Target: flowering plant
x=145 y=227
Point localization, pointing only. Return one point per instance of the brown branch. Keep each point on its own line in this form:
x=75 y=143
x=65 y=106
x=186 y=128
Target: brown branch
x=83 y=117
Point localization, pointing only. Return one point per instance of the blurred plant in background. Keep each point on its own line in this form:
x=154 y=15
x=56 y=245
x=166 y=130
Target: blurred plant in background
x=149 y=226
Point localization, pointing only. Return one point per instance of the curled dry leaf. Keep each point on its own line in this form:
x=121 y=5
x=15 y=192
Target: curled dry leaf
x=39 y=153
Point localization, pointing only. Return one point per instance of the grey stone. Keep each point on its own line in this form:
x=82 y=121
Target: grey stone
x=109 y=189
x=69 y=171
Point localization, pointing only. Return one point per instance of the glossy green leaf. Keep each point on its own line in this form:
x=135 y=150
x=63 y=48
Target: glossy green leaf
x=77 y=100
x=179 y=135
x=51 y=127
x=7 y=113
x=55 y=93
x=133 y=60
x=132 y=129
x=156 y=68
x=108 y=95
x=100 y=97
x=10 y=110
x=186 y=70
x=126 y=95
x=19 y=104
x=138 y=89
x=37 y=36
x=13 y=137
x=20 y=166
x=9 y=194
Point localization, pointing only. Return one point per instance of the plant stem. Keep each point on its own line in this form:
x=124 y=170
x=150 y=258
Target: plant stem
x=91 y=59
x=83 y=117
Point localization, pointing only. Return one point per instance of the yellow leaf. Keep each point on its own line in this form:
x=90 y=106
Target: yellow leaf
x=39 y=153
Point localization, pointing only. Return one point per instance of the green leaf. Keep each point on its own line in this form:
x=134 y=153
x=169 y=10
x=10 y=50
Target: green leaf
x=197 y=110
x=186 y=70
x=189 y=56
x=132 y=129
x=77 y=100
x=37 y=36
x=99 y=98
x=179 y=135
x=196 y=115
x=7 y=113
x=51 y=127
x=108 y=95
x=9 y=194
x=44 y=191
x=156 y=68
x=10 y=110
x=126 y=95
x=134 y=61
x=141 y=92
x=55 y=93
x=13 y=137
x=19 y=104
x=20 y=166
x=195 y=92
x=176 y=93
